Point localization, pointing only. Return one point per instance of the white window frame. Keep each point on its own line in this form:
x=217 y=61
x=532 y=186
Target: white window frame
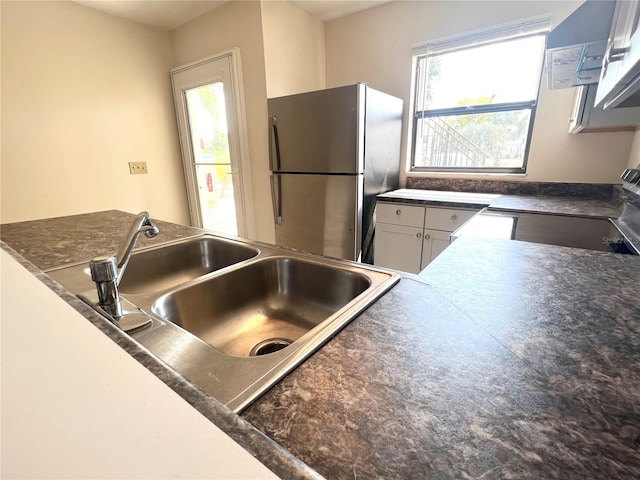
x=515 y=30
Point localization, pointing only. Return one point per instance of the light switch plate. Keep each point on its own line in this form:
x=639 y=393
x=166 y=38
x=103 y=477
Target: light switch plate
x=136 y=168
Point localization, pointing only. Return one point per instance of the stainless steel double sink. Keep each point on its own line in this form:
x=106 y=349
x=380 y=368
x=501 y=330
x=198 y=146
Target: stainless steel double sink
x=232 y=316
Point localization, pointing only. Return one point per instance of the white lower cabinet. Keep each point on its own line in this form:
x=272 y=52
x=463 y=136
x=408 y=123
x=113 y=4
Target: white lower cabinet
x=408 y=237
x=433 y=244
x=398 y=247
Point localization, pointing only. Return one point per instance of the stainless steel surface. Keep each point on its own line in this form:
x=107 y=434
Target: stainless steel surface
x=319 y=214
x=130 y=318
x=318 y=131
x=346 y=131
x=142 y=224
x=628 y=224
x=104 y=272
x=161 y=268
x=274 y=145
x=382 y=137
x=273 y=298
x=276 y=198
x=107 y=272
x=237 y=330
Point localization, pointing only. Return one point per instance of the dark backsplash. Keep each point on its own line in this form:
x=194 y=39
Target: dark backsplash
x=587 y=190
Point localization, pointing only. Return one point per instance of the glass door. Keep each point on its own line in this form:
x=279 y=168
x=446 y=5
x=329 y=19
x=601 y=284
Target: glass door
x=210 y=127
x=212 y=157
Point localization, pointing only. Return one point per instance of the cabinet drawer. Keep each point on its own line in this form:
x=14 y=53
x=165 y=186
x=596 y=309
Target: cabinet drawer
x=400 y=214
x=447 y=219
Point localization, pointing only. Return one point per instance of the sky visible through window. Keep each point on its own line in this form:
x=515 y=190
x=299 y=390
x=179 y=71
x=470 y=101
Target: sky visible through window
x=504 y=72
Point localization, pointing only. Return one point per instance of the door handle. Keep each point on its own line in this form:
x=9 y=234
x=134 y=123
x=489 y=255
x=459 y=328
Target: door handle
x=276 y=198
x=274 y=144
x=613 y=55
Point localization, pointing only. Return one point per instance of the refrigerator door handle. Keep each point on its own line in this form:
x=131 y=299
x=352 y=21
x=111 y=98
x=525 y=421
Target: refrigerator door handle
x=274 y=144
x=276 y=198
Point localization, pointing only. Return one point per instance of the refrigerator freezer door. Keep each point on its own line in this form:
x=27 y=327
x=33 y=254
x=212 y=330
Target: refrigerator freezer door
x=318 y=132
x=320 y=214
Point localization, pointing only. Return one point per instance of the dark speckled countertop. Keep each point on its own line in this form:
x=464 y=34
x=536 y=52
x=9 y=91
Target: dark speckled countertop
x=502 y=360
x=547 y=204
x=60 y=241
x=518 y=360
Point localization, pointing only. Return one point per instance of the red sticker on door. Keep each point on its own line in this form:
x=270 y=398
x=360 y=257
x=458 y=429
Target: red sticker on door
x=209 y=182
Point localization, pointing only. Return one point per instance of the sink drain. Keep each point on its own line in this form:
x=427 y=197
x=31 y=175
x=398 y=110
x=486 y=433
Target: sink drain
x=269 y=346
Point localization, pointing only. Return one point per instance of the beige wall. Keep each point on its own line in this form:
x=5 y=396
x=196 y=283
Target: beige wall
x=294 y=49
x=634 y=157
x=238 y=24
x=83 y=94
x=375 y=47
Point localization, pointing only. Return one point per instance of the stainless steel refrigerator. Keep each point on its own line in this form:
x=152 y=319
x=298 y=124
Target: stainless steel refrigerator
x=331 y=152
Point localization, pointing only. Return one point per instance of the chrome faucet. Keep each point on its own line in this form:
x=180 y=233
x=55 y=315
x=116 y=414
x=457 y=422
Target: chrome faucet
x=107 y=272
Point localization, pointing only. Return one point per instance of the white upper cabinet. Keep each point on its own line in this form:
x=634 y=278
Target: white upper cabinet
x=620 y=78
x=586 y=118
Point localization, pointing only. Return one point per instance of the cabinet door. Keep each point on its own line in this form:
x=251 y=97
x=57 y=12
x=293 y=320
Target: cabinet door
x=398 y=247
x=621 y=66
x=588 y=118
x=434 y=243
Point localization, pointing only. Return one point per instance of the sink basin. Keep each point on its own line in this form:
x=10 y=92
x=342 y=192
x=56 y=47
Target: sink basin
x=166 y=267
x=263 y=307
x=234 y=317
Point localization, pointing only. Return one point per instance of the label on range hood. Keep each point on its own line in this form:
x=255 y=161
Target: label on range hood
x=576 y=47
x=575 y=65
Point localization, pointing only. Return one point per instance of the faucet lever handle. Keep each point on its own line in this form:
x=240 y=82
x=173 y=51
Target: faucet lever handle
x=103 y=269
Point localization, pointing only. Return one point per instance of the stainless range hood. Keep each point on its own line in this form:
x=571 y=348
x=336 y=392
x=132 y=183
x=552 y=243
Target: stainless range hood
x=576 y=47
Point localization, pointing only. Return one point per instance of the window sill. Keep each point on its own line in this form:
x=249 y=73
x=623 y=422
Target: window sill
x=411 y=173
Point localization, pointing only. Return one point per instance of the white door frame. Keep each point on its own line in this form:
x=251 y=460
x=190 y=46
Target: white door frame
x=238 y=140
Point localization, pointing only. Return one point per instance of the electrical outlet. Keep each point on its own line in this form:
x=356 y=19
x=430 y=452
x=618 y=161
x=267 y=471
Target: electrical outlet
x=136 y=168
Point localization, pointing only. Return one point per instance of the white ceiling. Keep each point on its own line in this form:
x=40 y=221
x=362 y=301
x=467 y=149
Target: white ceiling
x=170 y=14
x=331 y=9
x=163 y=14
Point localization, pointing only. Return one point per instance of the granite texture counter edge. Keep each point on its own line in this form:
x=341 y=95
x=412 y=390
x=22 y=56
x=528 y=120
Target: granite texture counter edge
x=541 y=204
x=434 y=203
x=268 y=452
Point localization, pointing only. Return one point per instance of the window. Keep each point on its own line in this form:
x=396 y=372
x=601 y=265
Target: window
x=475 y=99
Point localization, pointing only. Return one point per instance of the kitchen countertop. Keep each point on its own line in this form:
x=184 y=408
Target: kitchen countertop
x=438 y=198
x=62 y=241
x=547 y=204
x=517 y=360
x=503 y=360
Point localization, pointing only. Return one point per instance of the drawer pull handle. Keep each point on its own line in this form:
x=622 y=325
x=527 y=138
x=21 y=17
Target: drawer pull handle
x=427 y=236
x=418 y=235
x=398 y=212
x=454 y=217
